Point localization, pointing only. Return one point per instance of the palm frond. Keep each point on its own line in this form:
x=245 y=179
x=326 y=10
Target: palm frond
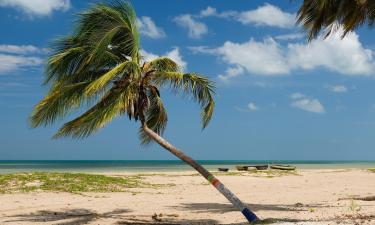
x=198 y=87
x=96 y=117
x=56 y=104
x=70 y=61
x=326 y=15
x=156 y=116
x=98 y=21
x=129 y=67
x=105 y=36
x=161 y=64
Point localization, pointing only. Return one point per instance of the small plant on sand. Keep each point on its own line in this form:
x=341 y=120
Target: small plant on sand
x=354 y=207
x=371 y=170
x=101 y=65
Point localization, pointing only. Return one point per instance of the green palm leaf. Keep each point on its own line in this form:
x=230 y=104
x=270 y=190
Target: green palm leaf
x=198 y=87
x=327 y=15
x=155 y=116
x=129 y=67
x=96 y=117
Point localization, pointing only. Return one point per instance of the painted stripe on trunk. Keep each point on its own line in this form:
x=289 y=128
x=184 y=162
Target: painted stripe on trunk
x=249 y=215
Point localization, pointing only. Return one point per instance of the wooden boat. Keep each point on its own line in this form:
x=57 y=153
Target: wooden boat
x=282 y=167
x=223 y=169
x=241 y=168
x=260 y=167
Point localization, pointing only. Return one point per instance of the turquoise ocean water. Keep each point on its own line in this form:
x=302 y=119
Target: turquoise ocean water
x=161 y=165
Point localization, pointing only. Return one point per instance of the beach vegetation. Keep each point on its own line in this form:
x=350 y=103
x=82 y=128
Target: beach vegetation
x=354 y=207
x=71 y=182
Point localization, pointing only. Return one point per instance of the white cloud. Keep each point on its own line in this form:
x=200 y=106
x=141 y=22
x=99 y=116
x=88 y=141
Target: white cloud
x=174 y=54
x=342 y=55
x=267 y=15
x=287 y=37
x=148 y=28
x=231 y=72
x=264 y=58
x=37 y=7
x=22 y=49
x=9 y=63
x=14 y=57
x=345 y=56
x=148 y=56
x=209 y=11
x=252 y=107
x=303 y=102
x=212 y=12
x=297 y=95
x=195 y=28
x=338 y=88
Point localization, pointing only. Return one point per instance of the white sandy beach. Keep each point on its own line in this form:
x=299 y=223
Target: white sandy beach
x=311 y=197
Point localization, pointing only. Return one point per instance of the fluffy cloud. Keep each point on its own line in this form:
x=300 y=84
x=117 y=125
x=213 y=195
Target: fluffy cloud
x=252 y=107
x=268 y=57
x=148 y=28
x=9 y=63
x=338 y=88
x=287 y=37
x=266 y=15
x=257 y=57
x=174 y=54
x=195 y=28
x=37 y=7
x=20 y=49
x=14 y=57
x=297 y=95
x=303 y=102
x=345 y=56
x=209 y=11
x=231 y=72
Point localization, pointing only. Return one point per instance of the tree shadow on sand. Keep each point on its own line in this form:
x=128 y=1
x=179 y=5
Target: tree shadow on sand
x=84 y=216
x=68 y=217
x=224 y=208
x=80 y=216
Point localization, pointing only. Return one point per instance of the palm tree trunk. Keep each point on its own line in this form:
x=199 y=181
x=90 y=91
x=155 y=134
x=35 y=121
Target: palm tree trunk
x=250 y=216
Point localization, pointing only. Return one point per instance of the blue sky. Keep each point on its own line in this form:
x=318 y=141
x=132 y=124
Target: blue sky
x=277 y=96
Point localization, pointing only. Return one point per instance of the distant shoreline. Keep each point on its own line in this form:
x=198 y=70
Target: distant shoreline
x=11 y=166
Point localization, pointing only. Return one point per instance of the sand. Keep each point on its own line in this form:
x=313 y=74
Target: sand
x=311 y=197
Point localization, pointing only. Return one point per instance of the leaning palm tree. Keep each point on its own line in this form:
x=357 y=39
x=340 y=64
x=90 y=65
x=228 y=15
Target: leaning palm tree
x=100 y=65
x=317 y=15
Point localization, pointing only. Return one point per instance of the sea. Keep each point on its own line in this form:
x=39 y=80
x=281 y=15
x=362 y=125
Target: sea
x=15 y=166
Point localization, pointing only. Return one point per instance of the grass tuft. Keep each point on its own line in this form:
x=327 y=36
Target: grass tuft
x=69 y=182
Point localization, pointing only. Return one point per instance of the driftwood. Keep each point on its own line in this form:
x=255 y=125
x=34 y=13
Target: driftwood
x=368 y=198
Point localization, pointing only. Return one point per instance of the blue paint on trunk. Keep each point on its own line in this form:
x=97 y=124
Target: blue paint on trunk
x=250 y=216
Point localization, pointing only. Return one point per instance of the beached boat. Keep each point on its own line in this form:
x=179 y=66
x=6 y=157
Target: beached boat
x=223 y=169
x=282 y=167
x=260 y=167
x=241 y=168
